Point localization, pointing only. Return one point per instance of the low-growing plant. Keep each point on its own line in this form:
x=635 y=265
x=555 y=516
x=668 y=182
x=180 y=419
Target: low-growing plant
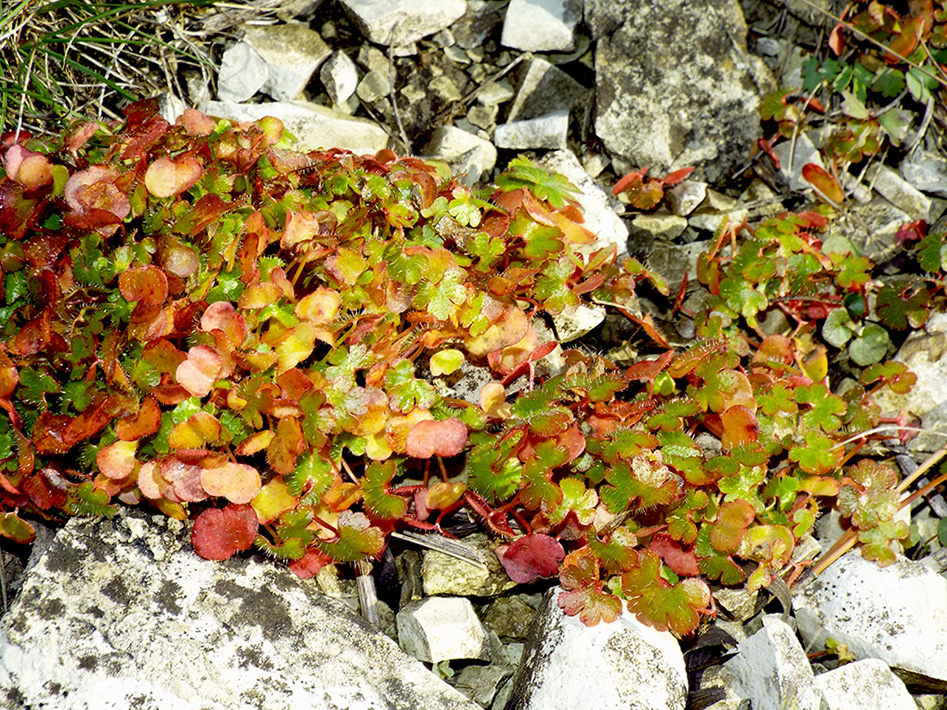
x=198 y=320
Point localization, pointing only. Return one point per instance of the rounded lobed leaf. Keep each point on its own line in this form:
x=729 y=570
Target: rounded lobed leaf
x=146 y=284
x=733 y=518
x=531 y=556
x=221 y=533
x=436 y=438
x=167 y=177
x=199 y=371
x=237 y=482
x=117 y=460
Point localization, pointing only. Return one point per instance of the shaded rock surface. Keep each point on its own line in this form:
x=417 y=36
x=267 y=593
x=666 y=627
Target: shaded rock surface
x=677 y=87
x=120 y=613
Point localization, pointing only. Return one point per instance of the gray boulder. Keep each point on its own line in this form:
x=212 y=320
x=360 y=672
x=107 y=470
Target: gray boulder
x=675 y=85
x=400 y=22
x=120 y=613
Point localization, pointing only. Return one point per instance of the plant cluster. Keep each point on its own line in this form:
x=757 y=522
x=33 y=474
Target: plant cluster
x=198 y=320
x=884 y=71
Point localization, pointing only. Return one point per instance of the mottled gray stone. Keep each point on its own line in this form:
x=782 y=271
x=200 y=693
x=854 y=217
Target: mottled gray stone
x=544 y=132
x=544 y=89
x=292 y=53
x=897 y=613
x=864 y=684
x=102 y=623
x=676 y=86
x=541 y=25
x=624 y=664
x=340 y=77
x=441 y=629
x=399 y=22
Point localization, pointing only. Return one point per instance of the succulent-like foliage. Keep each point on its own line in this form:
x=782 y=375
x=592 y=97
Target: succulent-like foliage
x=198 y=320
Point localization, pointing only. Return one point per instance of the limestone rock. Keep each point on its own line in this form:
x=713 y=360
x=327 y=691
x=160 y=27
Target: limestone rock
x=541 y=25
x=686 y=197
x=313 y=126
x=572 y=326
x=900 y=192
x=927 y=171
x=666 y=227
x=570 y=666
x=463 y=151
x=292 y=53
x=548 y=131
x=441 y=629
x=771 y=668
x=340 y=77
x=793 y=157
x=443 y=574
x=598 y=206
x=242 y=73
x=104 y=622
x=400 y=22
x=675 y=85
x=864 y=684
x=897 y=614
x=543 y=89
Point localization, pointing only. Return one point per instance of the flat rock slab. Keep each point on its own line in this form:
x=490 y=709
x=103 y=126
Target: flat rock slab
x=120 y=613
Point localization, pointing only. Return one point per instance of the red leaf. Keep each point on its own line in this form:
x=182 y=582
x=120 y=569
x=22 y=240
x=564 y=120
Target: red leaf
x=677 y=176
x=823 y=182
x=681 y=560
x=219 y=533
x=309 y=564
x=531 y=556
x=629 y=179
x=436 y=438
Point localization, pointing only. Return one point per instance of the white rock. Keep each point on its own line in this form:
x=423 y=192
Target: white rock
x=899 y=192
x=541 y=25
x=242 y=73
x=372 y=87
x=99 y=625
x=441 y=629
x=399 y=22
x=495 y=93
x=465 y=152
x=313 y=126
x=897 y=613
x=544 y=132
x=864 y=684
x=544 y=89
x=710 y=222
x=686 y=197
x=772 y=669
x=571 y=326
x=570 y=666
x=792 y=158
x=927 y=171
x=340 y=77
x=170 y=107
x=598 y=207
x=658 y=226
x=292 y=53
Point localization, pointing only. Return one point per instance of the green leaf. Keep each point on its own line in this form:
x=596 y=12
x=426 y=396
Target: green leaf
x=742 y=298
x=312 y=475
x=552 y=286
x=824 y=406
x=405 y=390
x=838 y=328
x=551 y=187
x=713 y=564
x=492 y=469
x=819 y=455
x=34 y=386
x=870 y=346
x=538 y=491
x=441 y=299
x=487 y=248
x=544 y=417
x=379 y=502
x=575 y=499
x=645 y=480
x=357 y=539
x=583 y=595
x=659 y=603
x=903 y=308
